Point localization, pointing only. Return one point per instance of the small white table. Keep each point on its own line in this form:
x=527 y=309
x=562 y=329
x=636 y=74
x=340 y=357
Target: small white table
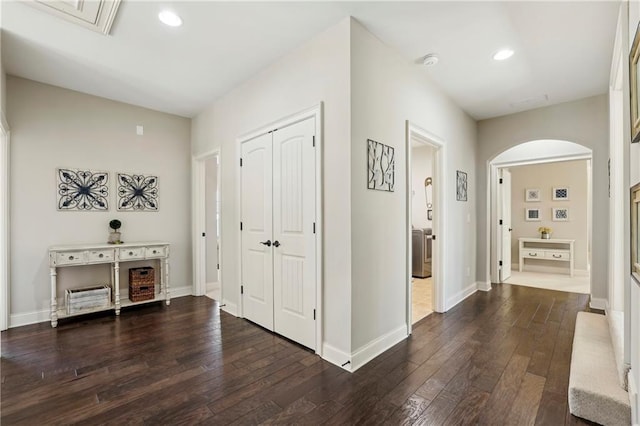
x=552 y=249
x=92 y=254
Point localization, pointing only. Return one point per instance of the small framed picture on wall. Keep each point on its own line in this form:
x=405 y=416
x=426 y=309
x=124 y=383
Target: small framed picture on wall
x=532 y=194
x=561 y=193
x=532 y=215
x=560 y=214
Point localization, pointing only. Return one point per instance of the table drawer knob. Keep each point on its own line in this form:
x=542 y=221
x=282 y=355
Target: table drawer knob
x=101 y=255
x=130 y=253
x=70 y=257
x=155 y=251
x=557 y=256
x=533 y=254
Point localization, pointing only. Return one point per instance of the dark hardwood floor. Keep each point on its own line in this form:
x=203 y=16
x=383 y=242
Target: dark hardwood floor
x=500 y=357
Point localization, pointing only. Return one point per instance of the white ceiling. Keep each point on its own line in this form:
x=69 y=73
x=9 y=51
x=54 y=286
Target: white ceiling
x=563 y=49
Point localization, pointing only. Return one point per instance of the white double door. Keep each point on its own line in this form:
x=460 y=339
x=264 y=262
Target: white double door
x=278 y=208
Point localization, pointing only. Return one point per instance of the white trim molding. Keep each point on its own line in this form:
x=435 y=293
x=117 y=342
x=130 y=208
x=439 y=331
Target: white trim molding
x=633 y=399
x=336 y=357
x=598 y=303
x=461 y=295
x=5 y=228
x=229 y=307
x=483 y=285
x=377 y=346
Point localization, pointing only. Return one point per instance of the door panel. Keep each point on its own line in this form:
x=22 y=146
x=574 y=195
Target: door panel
x=505 y=197
x=294 y=216
x=256 y=217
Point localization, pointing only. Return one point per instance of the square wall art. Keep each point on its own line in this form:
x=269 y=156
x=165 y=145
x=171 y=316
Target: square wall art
x=137 y=193
x=82 y=190
x=561 y=193
x=532 y=195
x=560 y=214
x=532 y=215
x=380 y=166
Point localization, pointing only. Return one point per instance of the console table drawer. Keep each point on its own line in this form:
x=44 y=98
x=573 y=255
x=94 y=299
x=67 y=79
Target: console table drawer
x=100 y=255
x=534 y=254
x=558 y=255
x=132 y=253
x=70 y=257
x=152 y=252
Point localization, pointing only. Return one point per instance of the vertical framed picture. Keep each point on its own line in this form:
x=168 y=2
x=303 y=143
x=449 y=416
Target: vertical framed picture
x=633 y=88
x=461 y=186
x=380 y=166
x=532 y=215
x=532 y=194
x=560 y=214
x=560 y=193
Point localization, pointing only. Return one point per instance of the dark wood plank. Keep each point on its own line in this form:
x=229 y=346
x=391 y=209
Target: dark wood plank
x=500 y=357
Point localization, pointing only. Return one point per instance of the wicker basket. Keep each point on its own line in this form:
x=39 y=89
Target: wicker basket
x=141 y=284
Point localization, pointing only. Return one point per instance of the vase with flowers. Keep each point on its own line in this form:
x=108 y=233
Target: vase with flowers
x=545 y=232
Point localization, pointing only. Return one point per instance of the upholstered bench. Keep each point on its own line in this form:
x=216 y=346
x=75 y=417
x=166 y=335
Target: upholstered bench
x=598 y=377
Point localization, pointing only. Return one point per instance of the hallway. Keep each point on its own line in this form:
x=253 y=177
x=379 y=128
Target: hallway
x=500 y=357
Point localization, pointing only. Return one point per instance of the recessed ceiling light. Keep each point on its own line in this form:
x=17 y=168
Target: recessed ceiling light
x=503 y=54
x=169 y=18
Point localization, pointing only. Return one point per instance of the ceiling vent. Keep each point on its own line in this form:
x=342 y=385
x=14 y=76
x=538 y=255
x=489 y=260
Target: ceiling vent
x=96 y=15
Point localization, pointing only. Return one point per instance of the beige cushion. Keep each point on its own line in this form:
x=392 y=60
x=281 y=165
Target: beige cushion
x=594 y=390
x=616 y=330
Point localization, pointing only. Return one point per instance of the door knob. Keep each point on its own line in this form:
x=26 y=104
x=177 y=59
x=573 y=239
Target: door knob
x=276 y=243
x=266 y=243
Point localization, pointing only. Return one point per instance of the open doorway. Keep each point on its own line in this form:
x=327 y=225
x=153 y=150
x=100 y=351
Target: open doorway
x=425 y=221
x=206 y=226
x=422 y=184
x=541 y=216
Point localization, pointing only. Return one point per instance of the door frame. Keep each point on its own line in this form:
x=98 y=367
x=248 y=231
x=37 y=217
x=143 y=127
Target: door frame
x=4 y=222
x=198 y=201
x=439 y=216
x=315 y=112
x=501 y=229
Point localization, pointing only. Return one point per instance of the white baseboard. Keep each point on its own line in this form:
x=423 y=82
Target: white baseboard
x=633 y=399
x=483 y=286
x=336 y=357
x=561 y=270
x=26 y=318
x=228 y=307
x=461 y=295
x=374 y=348
x=598 y=303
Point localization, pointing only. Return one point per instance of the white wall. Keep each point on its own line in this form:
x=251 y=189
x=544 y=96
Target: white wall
x=545 y=177
x=421 y=168
x=210 y=187
x=584 y=122
x=387 y=90
x=315 y=72
x=53 y=127
x=633 y=293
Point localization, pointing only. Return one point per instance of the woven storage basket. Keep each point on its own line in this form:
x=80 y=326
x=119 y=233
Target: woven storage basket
x=141 y=284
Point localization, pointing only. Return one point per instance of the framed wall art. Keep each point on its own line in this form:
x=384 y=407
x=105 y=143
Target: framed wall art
x=560 y=193
x=380 y=166
x=461 y=186
x=137 y=193
x=532 y=215
x=633 y=87
x=82 y=190
x=560 y=214
x=532 y=194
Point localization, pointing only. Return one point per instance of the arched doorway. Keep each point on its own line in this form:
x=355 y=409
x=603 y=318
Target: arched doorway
x=541 y=197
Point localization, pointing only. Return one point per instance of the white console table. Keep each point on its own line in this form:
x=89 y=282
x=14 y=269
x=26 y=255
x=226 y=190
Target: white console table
x=92 y=254
x=551 y=249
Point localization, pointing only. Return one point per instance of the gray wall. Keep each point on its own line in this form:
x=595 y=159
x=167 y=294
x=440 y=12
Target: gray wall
x=53 y=127
x=584 y=122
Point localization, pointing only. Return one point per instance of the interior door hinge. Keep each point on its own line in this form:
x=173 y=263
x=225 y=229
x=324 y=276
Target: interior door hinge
x=314 y=141
x=204 y=234
x=500 y=181
x=500 y=263
x=314 y=227
x=500 y=221
x=241 y=162
x=241 y=289
x=218 y=266
x=314 y=314
x=241 y=226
